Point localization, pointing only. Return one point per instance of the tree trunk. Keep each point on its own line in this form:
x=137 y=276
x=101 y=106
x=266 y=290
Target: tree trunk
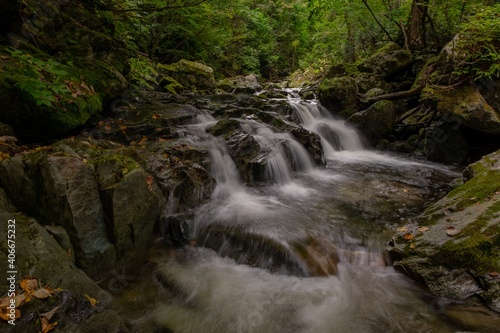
x=415 y=30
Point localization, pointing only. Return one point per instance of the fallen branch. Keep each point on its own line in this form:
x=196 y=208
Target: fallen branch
x=393 y=96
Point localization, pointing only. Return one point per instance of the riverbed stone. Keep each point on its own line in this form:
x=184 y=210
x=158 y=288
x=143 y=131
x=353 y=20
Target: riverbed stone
x=186 y=76
x=453 y=247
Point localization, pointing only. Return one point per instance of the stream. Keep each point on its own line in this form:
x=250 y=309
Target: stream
x=302 y=251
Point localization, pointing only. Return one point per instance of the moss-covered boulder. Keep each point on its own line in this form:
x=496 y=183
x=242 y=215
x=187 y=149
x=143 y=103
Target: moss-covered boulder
x=376 y=122
x=186 y=76
x=465 y=105
x=453 y=247
x=339 y=95
x=245 y=84
x=388 y=61
x=368 y=81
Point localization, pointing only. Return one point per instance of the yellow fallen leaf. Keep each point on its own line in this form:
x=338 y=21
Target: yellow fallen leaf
x=46 y=326
x=28 y=284
x=413 y=246
x=408 y=236
x=423 y=229
x=5 y=314
x=42 y=293
x=402 y=229
x=92 y=301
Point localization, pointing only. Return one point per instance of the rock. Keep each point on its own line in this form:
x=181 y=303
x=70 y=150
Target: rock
x=251 y=249
x=463 y=264
x=368 y=81
x=39 y=255
x=226 y=85
x=374 y=92
x=303 y=78
x=243 y=149
x=444 y=143
x=225 y=127
x=69 y=197
x=175 y=230
x=388 y=61
x=246 y=84
x=186 y=76
x=376 y=122
x=132 y=204
x=62 y=237
x=311 y=142
x=465 y=106
x=339 y=95
x=6 y=130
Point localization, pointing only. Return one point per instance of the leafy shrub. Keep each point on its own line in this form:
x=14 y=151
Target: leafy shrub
x=479 y=45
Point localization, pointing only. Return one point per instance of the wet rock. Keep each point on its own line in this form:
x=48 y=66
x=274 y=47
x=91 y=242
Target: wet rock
x=225 y=127
x=339 y=95
x=376 y=122
x=62 y=237
x=452 y=248
x=175 y=230
x=311 y=142
x=251 y=249
x=226 y=85
x=319 y=255
x=186 y=76
x=243 y=148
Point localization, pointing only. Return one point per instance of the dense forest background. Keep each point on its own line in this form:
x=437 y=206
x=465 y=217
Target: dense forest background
x=275 y=38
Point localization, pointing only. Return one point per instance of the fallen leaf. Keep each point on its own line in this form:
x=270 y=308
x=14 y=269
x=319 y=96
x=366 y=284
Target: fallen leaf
x=402 y=229
x=149 y=181
x=50 y=314
x=452 y=232
x=123 y=128
x=406 y=190
x=413 y=246
x=46 y=326
x=423 y=229
x=156 y=116
x=107 y=127
x=493 y=274
x=4 y=314
x=92 y=301
x=408 y=236
x=450 y=219
x=28 y=284
x=143 y=140
x=42 y=293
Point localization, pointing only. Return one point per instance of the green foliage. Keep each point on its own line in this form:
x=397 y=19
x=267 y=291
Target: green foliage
x=479 y=45
x=48 y=82
x=142 y=72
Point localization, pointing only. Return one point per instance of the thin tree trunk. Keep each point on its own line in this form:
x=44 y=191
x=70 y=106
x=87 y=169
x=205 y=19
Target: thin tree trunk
x=378 y=22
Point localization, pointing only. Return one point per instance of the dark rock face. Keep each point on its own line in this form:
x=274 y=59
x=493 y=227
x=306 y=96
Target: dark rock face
x=377 y=122
x=452 y=248
x=339 y=95
x=107 y=204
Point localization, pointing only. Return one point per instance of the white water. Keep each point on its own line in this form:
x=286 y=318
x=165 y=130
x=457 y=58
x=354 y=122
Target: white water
x=335 y=135
x=349 y=205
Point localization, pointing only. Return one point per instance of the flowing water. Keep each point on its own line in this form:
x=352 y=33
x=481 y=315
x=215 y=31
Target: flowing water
x=305 y=251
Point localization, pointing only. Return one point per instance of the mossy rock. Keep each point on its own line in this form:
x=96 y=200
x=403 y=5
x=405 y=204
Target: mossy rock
x=339 y=95
x=456 y=253
x=368 y=81
x=464 y=106
x=377 y=122
x=188 y=76
x=388 y=61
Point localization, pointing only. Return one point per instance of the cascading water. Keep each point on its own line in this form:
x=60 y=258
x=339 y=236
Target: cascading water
x=303 y=253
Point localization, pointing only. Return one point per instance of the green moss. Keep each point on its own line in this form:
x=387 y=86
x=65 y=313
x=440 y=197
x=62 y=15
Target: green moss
x=477 y=189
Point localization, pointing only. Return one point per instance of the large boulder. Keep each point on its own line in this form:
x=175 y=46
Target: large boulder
x=388 y=61
x=368 y=81
x=376 y=122
x=241 y=84
x=339 y=95
x=453 y=247
x=107 y=203
x=465 y=105
x=186 y=76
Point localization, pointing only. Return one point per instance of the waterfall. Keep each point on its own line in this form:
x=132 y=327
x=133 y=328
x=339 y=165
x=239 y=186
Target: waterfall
x=334 y=133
